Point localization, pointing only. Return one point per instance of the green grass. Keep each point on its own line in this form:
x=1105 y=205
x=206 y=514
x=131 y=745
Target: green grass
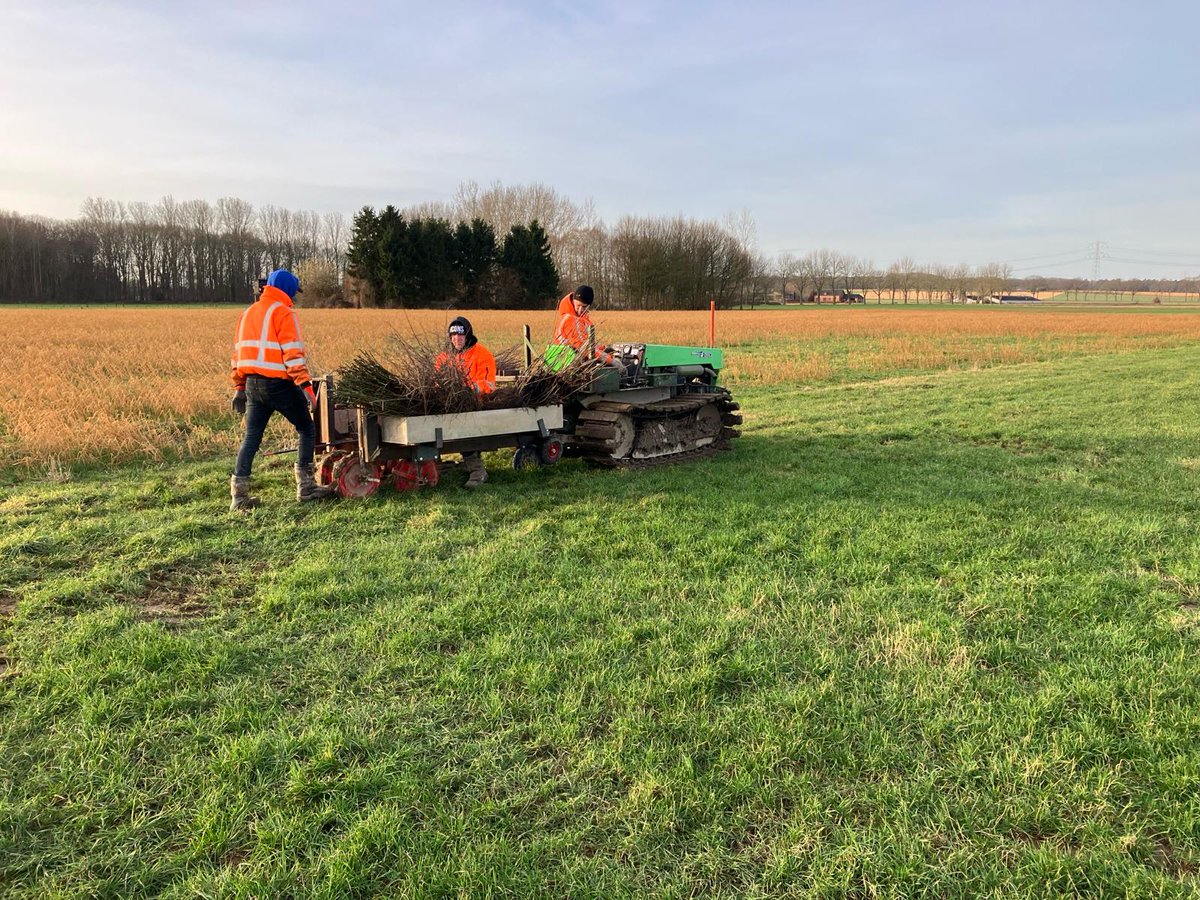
x=928 y=636
x=1125 y=299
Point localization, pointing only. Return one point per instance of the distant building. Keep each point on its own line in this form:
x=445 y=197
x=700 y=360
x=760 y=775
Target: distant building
x=1013 y=298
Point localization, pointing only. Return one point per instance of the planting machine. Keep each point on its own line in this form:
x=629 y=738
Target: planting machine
x=655 y=405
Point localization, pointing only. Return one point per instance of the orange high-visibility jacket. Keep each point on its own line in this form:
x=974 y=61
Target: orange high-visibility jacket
x=268 y=341
x=476 y=362
x=572 y=329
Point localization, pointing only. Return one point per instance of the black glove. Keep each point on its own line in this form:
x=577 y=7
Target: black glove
x=238 y=403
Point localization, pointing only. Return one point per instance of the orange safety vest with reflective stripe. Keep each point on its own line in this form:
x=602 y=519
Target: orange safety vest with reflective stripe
x=476 y=362
x=572 y=329
x=268 y=341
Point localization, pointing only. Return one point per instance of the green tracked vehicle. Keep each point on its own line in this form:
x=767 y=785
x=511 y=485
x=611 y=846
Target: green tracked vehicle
x=656 y=405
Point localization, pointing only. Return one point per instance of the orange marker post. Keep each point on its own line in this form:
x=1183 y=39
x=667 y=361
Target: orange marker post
x=712 y=323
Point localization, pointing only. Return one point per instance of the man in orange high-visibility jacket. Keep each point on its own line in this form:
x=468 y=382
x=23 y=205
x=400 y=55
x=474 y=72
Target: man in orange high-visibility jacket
x=479 y=365
x=465 y=351
x=270 y=375
x=574 y=321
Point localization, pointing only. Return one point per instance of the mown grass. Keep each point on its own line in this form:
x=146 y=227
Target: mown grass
x=931 y=635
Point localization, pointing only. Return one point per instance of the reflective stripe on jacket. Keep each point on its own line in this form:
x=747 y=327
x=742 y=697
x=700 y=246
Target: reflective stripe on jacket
x=476 y=362
x=268 y=341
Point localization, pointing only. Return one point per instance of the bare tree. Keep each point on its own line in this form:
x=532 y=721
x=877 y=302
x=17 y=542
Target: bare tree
x=199 y=258
x=818 y=270
x=144 y=232
x=333 y=239
x=958 y=279
x=170 y=247
x=992 y=278
x=904 y=270
x=787 y=267
x=875 y=281
x=107 y=220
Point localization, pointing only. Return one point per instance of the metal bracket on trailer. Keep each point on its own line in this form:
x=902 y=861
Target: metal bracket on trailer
x=368 y=436
x=542 y=429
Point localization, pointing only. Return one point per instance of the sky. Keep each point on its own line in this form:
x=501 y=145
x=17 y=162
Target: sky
x=949 y=132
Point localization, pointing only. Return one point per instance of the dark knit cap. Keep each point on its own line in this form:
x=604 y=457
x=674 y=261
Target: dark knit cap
x=462 y=325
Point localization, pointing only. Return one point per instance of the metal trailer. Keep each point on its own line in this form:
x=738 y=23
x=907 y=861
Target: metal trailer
x=359 y=450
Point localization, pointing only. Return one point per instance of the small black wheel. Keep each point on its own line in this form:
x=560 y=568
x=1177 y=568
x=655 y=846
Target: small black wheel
x=527 y=457
x=551 y=451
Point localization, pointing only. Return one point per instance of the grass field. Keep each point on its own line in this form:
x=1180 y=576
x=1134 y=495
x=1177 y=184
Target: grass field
x=1148 y=298
x=930 y=629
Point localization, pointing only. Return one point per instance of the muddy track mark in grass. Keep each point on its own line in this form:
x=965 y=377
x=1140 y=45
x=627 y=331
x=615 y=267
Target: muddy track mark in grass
x=8 y=603
x=180 y=594
x=1168 y=860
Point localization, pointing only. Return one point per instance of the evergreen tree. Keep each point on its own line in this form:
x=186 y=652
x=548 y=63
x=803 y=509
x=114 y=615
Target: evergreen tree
x=432 y=258
x=396 y=258
x=362 y=256
x=474 y=259
x=526 y=253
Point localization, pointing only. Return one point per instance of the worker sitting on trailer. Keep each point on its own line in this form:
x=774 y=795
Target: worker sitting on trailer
x=479 y=366
x=571 y=333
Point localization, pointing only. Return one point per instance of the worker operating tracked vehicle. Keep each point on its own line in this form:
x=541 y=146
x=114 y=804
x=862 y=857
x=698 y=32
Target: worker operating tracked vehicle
x=655 y=405
x=652 y=405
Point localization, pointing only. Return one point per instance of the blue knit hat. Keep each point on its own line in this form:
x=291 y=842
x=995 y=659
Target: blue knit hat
x=285 y=281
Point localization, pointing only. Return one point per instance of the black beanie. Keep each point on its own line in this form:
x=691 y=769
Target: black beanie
x=583 y=294
x=465 y=324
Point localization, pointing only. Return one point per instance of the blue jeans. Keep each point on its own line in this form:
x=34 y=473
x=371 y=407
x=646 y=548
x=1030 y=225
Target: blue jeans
x=274 y=395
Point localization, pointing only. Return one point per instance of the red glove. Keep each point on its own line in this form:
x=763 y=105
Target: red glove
x=311 y=395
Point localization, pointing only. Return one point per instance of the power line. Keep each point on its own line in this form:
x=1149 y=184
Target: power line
x=1133 y=257
x=1074 y=252
x=1139 y=252
x=1155 y=262
x=1054 y=265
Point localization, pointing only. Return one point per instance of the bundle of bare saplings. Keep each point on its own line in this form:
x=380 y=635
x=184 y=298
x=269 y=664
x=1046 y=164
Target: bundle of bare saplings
x=407 y=380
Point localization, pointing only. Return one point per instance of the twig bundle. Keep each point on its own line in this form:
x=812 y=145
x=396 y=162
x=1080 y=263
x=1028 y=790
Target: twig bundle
x=410 y=383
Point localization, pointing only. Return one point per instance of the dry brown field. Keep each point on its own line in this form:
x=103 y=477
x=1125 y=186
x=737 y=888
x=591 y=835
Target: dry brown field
x=105 y=384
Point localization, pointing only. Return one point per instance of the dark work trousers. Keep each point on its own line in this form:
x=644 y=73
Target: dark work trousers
x=274 y=395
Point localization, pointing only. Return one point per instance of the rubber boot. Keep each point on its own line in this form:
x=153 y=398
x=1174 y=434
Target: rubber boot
x=307 y=488
x=476 y=473
x=239 y=494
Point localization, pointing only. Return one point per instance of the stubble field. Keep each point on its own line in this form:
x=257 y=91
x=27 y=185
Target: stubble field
x=930 y=629
x=114 y=384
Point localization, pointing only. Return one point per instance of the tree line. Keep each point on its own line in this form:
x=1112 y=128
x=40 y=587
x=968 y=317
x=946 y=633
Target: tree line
x=798 y=278
x=170 y=251
x=640 y=263
x=397 y=261
x=497 y=246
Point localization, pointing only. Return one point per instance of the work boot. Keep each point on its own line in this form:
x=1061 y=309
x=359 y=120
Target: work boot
x=239 y=493
x=476 y=472
x=307 y=488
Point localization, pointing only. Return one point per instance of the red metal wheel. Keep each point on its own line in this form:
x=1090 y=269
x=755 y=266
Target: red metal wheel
x=325 y=467
x=429 y=472
x=551 y=451
x=406 y=475
x=354 y=478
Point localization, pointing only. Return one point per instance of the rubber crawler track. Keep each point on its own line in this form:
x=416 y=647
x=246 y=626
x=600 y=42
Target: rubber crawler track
x=596 y=431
